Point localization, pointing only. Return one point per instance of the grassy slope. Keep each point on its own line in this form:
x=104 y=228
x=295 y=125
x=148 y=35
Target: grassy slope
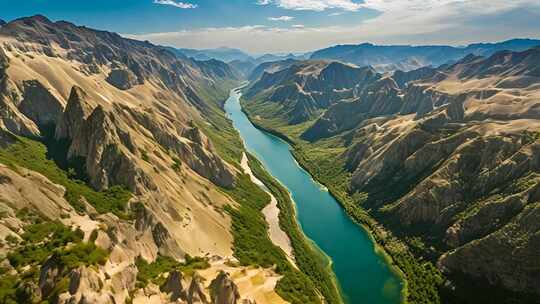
x=421 y=277
x=33 y=155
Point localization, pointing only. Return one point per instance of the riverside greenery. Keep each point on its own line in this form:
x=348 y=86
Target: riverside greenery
x=252 y=245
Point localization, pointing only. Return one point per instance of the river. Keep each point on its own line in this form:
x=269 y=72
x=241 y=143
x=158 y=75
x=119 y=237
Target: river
x=363 y=275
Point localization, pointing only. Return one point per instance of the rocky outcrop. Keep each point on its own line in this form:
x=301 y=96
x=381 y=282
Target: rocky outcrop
x=403 y=78
x=380 y=98
x=95 y=138
x=39 y=104
x=51 y=273
x=195 y=294
x=173 y=286
x=223 y=290
x=10 y=117
x=508 y=258
x=146 y=220
x=189 y=143
x=77 y=110
x=122 y=79
x=302 y=90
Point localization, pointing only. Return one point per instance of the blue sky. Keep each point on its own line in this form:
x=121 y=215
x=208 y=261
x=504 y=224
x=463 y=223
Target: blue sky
x=260 y=26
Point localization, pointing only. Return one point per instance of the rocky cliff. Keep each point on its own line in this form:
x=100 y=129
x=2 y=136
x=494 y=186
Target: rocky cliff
x=301 y=91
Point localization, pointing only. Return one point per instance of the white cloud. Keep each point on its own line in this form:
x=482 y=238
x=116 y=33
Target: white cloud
x=399 y=22
x=282 y=18
x=318 y=5
x=264 y=2
x=298 y=26
x=179 y=4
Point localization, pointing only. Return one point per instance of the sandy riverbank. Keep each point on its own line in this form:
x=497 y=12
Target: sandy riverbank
x=271 y=214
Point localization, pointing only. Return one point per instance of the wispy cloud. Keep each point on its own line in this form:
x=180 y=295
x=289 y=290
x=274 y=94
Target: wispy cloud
x=178 y=4
x=399 y=22
x=298 y=26
x=314 y=5
x=282 y=18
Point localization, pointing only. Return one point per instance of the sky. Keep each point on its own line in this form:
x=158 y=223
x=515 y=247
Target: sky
x=282 y=26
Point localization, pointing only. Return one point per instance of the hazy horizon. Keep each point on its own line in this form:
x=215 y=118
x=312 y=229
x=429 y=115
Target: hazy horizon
x=284 y=26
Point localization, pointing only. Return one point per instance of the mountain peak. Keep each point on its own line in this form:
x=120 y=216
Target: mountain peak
x=35 y=18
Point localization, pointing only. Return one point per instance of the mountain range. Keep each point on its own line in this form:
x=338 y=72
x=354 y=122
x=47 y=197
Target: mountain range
x=407 y=57
x=445 y=161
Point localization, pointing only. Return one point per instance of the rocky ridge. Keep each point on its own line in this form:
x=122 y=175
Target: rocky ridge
x=447 y=160
x=301 y=91
x=388 y=58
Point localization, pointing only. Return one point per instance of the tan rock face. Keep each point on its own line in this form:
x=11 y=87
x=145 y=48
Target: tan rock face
x=122 y=79
x=223 y=290
x=95 y=138
x=460 y=175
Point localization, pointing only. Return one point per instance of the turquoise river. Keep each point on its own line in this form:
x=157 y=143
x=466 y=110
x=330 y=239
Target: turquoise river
x=363 y=275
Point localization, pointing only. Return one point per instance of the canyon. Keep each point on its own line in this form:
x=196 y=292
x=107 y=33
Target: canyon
x=134 y=173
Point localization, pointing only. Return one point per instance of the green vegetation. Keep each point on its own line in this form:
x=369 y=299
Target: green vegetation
x=32 y=154
x=252 y=245
x=82 y=254
x=529 y=137
x=308 y=258
x=144 y=156
x=43 y=240
x=220 y=130
x=177 y=164
x=152 y=272
x=39 y=242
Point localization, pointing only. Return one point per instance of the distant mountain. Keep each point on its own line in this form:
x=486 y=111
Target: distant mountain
x=407 y=57
x=2 y=22
x=273 y=57
x=224 y=54
x=243 y=67
x=242 y=62
x=304 y=89
x=270 y=67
